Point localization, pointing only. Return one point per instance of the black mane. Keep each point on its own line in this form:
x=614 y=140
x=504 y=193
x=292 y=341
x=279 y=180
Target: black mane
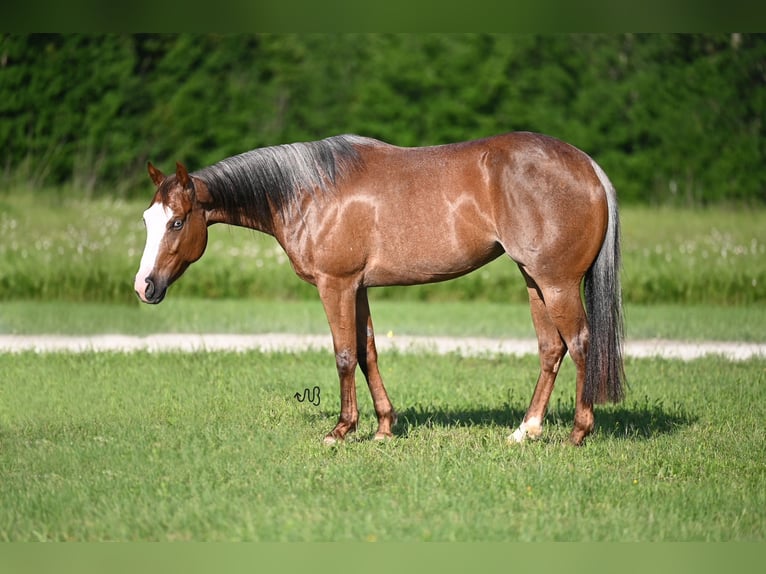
x=266 y=181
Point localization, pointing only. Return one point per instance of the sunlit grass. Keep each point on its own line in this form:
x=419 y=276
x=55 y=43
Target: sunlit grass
x=391 y=317
x=707 y=256
x=213 y=446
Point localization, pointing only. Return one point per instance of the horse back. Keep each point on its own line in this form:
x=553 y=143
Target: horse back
x=417 y=215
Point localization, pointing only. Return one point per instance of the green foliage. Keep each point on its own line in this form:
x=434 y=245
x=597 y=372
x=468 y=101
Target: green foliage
x=672 y=118
x=213 y=447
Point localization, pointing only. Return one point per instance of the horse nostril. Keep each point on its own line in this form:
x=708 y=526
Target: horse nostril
x=149 y=293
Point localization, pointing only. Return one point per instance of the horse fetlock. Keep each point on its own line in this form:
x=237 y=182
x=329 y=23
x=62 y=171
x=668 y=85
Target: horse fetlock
x=583 y=427
x=388 y=417
x=531 y=429
x=346 y=424
x=385 y=425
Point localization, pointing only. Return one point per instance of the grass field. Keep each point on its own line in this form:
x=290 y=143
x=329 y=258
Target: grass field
x=456 y=319
x=214 y=447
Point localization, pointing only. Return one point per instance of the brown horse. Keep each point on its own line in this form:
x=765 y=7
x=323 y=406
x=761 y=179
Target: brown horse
x=353 y=213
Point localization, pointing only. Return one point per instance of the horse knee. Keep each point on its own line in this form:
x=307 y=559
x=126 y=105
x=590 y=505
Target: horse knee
x=578 y=348
x=346 y=363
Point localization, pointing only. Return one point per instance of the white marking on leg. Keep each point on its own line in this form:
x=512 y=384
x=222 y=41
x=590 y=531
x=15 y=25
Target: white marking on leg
x=534 y=427
x=156 y=220
x=531 y=428
x=519 y=434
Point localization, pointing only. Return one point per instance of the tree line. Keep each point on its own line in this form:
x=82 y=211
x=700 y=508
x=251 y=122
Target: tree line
x=671 y=118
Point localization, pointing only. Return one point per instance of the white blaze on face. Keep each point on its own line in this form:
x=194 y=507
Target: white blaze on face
x=156 y=219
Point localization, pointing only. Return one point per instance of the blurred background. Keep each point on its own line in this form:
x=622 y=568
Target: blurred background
x=672 y=118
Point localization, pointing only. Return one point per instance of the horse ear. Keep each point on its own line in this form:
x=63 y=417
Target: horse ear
x=182 y=175
x=156 y=175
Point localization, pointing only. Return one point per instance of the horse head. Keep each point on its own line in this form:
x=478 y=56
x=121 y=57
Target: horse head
x=176 y=232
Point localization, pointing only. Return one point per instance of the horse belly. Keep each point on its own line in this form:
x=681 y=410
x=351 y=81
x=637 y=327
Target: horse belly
x=427 y=258
x=443 y=229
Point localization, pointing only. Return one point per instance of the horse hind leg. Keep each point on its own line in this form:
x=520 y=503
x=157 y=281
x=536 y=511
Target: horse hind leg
x=551 y=351
x=565 y=308
x=367 y=355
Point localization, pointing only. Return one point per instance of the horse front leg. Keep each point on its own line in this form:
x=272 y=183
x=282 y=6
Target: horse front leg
x=367 y=355
x=339 y=302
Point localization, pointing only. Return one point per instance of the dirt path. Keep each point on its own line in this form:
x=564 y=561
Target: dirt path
x=687 y=350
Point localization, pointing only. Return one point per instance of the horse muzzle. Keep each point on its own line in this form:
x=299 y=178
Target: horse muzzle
x=153 y=292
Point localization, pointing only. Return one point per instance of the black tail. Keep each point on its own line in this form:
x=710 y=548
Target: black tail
x=604 y=373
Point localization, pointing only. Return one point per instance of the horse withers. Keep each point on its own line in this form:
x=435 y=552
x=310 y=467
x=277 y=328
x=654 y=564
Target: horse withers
x=353 y=213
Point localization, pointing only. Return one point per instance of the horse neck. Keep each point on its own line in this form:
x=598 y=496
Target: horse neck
x=222 y=215
x=219 y=210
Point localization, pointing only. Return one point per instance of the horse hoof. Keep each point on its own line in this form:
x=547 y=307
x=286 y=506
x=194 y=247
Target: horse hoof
x=379 y=436
x=517 y=437
x=577 y=440
x=330 y=440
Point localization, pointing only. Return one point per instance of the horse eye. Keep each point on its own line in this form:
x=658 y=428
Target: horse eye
x=178 y=224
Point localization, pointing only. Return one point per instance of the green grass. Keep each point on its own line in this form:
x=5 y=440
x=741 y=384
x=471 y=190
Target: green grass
x=477 y=318
x=66 y=249
x=708 y=256
x=213 y=446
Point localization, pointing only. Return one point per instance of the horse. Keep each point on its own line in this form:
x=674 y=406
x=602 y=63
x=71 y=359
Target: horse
x=352 y=213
